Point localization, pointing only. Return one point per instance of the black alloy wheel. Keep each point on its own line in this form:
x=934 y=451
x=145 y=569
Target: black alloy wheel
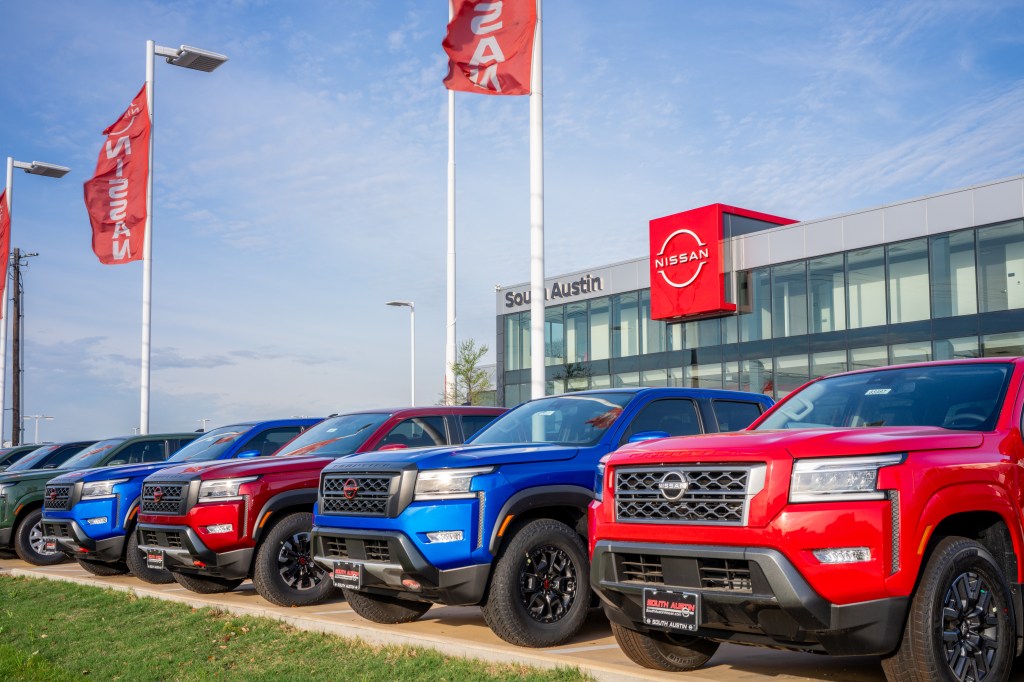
x=970 y=624
x=547 y=583
x=295 y=563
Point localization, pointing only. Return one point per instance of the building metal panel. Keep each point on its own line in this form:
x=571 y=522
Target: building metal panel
x=786 y=244
x=863 y=229
x=952 y=211
x=823 y=237
x=998 y=202
x=905 y=221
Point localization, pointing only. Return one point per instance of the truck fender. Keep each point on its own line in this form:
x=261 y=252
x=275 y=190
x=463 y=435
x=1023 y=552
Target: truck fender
x=133 y=509
x=289 y=498
x=540 y=496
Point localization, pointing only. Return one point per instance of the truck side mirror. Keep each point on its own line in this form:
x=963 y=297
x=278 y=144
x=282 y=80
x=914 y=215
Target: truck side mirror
x=248 y=454
x=393 y=446
x=641 y=436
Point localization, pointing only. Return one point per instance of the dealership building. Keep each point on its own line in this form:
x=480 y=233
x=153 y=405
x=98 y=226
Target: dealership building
x=732 y=298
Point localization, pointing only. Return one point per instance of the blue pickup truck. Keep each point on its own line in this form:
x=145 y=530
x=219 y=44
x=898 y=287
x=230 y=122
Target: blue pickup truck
x=501 y=521
x=90 y=515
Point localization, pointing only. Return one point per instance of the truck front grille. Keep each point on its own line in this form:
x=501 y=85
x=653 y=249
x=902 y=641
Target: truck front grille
x=717 y=495
x=167 y=499
x=57 y=497
x=356 y=494
x=720 y=575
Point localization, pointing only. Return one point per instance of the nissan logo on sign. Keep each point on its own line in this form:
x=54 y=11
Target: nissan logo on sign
x=682 y=258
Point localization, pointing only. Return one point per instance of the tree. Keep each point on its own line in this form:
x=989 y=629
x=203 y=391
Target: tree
x=471 y=380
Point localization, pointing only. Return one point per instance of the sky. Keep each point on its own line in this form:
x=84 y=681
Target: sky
x=303 y=184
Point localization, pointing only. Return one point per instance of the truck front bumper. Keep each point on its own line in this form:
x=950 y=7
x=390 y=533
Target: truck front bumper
x=183 y=551
x=73 y=541
x=393 y=566
x=747 y=595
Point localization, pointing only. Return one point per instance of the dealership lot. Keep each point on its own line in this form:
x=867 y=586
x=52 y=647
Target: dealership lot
x=461 y=631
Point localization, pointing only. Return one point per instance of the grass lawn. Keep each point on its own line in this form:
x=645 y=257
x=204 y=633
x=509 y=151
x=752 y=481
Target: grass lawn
x=61 y=631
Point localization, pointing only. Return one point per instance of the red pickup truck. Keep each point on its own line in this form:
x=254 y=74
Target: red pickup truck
x=213 y=525
x=876 y=512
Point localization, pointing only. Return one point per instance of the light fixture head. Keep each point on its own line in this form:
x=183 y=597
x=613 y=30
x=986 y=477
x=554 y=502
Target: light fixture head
x=400 y=304
x=49 y=170
x=197 y=59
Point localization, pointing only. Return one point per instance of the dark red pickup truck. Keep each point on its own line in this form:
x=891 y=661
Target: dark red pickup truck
x=877 y=512
x=214 y=525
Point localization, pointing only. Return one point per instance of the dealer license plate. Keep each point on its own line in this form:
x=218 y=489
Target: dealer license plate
x=155 y=558
x=348 y=574
x=49 y=545
x=671 y=609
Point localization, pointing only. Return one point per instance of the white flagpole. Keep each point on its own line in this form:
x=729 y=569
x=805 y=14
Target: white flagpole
x=147 y=250
x=537 y=374
x=3 y=307
x=449 y=347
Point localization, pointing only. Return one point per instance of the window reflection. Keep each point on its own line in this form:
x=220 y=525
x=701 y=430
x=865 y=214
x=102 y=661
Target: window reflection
x=827 y=294
x=789 y=299
x=953 y=276
x=908 y=281
x=1001 y=260
x=625 y=325
x=866 y=287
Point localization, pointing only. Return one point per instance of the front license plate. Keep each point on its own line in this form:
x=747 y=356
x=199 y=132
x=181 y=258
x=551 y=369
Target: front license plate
x=49 y=545
x=155 y=558
x=671 y=609
x=348 y=574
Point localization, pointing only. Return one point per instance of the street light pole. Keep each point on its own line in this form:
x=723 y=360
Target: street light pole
x=412 y=343
x=189 y=58
x=48 y=170
x=37 y=417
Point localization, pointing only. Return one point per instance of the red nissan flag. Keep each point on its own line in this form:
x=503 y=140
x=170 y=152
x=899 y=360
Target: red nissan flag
x=490 y=46
x=5 y=244
x=115 y=196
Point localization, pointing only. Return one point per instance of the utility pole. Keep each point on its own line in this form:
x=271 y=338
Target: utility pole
x=16 y=426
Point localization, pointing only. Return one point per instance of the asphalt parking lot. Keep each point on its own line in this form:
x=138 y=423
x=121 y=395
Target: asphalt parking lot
x=461 y=631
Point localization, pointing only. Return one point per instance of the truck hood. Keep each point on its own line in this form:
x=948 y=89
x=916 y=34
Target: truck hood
x=32 y=475
x=840 y=442
x=255 y=466
x=463 y=456
x=108 y=473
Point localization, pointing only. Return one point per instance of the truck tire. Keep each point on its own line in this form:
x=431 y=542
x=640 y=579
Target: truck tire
x=102 y=568
x=961 y=622
x=136 y=560
x=664 y=651
x=539 y=593
x=28 y=541
x=206 y=584
x=387 y=610
x=284 y=571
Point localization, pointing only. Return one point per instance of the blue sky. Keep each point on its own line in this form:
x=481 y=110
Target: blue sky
x=302 y=185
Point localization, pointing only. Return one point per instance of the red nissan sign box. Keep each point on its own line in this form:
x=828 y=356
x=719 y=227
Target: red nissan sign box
x=687 y=266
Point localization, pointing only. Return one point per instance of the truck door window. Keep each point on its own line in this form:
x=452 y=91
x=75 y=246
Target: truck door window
x=270 y=441
x=417 y=432
x=674 y=416
x=471 y=423
x=734 y=415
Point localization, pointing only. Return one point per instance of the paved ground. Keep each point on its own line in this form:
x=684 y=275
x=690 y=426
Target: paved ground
x=461 y=631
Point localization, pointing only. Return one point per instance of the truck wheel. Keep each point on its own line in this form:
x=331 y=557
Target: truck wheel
x=285 y=573
x=206 y=584
x=539 y=591
x=387 y=610
x=136 y=560
x=664 y=651
x=28 y=541
x=961 y=623
x=102 y=568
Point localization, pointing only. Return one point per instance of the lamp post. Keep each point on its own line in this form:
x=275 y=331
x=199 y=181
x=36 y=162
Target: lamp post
x=37 y=417
x=412 y=342
x=47 y=170
x=189 y=58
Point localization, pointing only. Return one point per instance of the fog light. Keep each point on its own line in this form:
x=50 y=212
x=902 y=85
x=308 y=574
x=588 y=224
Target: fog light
x=445 y=536
x=220 y=528
x=410 y=584
x=98 y=521
x=844 y=555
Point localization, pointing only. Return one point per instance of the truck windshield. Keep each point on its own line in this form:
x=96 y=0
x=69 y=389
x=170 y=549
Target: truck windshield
x=210 y=445
x=569 y=419
x=32 y=459
x=93 y=454
x=335 y=437
x=963 y=397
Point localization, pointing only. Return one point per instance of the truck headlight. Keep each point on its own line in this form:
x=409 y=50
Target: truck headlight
x=99 y=489
x=447 y=484
x=222 y=489
x=828 y=479
x=599 y=478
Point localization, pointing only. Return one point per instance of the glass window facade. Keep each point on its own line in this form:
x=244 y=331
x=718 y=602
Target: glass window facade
x=953 y=295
